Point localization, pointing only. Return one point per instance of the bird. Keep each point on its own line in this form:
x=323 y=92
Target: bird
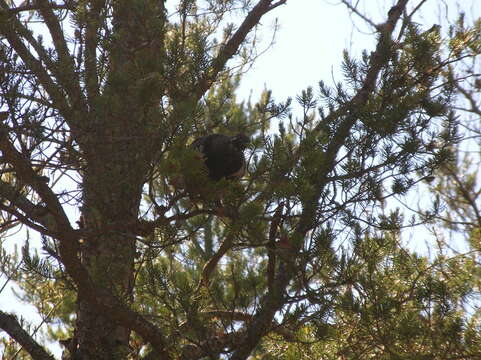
x=223 y=155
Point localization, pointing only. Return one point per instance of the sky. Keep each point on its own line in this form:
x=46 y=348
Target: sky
x=313 y=34
x=308 y=48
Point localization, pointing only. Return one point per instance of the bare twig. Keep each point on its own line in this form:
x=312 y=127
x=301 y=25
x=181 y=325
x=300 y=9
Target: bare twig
x=355 y=10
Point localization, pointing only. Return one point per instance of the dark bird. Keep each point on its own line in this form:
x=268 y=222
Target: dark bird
x=223 y=155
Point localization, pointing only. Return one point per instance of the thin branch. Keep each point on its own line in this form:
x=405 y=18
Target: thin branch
x=25 y=220
x=37 y=328
x=245 y=317
x=475 y=108
x=9 y=277
x=26 y=173
x=13 y=30
x=33 y=6
x=466 y=194
x=214 y=260
x=271 y=252
x=408 y=18
x=146 y=227
x=358 y=13
x=37 y=213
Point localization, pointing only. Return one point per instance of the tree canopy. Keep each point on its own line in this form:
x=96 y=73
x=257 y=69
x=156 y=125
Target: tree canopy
x=142 y=256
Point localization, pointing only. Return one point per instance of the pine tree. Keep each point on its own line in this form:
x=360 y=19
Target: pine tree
x=387 y=301
x=165 y=263
x=98 y=102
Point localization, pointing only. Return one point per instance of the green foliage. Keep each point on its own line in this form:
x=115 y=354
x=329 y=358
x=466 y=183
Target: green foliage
x=393 y=304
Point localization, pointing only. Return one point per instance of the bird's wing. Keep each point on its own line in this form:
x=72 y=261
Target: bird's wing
x=199 y=144
x=240 y=172
x=211 y=143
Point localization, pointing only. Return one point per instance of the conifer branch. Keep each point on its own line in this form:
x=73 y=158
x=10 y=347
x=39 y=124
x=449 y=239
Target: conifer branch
x=14 y=32
x=44 y=67
x=10 y=324
x=37 y=213
x=216 y=344
x=99 y=298
x=25 y=172
x=91 y=43
x=232 y=45
x=29 y=6
x=271 y=252
x=273 y=300
x=68 y=248
x=66 y=65
x=107 y=304
x=475 y=107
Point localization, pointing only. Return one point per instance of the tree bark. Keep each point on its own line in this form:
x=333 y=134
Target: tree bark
x=112 y=190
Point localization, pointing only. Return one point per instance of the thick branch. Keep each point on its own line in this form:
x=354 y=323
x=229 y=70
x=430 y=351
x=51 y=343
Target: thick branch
x=67 y=74
x=234 y=43
x=91 y=43
x=10 y=324
x=13 y=30
x=26 y=173
x=273 y=301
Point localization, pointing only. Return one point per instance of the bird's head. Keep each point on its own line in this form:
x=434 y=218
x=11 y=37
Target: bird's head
x=240 y=141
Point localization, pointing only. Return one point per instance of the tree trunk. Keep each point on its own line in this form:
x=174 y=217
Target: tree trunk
x=112 y=189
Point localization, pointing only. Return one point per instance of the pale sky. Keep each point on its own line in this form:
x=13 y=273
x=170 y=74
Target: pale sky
x=313 y=34
x=308 y=46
